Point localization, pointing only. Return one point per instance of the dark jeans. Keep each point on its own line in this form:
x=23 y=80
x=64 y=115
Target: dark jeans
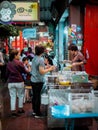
x=3 y=72
x=36 y=99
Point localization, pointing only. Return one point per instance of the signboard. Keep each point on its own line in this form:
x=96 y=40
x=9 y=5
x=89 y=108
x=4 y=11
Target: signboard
x=29 y=33
x=26 y=11
x=7 y=11
x=19 y=11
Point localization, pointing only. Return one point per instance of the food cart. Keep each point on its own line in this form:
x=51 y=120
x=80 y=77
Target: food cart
x=59 y=87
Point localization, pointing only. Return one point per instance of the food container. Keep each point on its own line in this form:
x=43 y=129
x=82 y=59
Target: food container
x=96 y=101
x=65 y=83
x=80 y=101
x=80 y=77
x=44 y=99
x=64 y=80
x=52 y=79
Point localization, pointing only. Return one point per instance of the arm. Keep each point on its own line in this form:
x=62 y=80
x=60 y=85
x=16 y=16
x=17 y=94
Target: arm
x=66 y=61
x=79 y=60
x=77 y=63
x=42 y=70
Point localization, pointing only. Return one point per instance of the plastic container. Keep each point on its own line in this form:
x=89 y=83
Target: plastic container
x=44 y=99
x=80 y=77
x=81 y=102
x=95 y=101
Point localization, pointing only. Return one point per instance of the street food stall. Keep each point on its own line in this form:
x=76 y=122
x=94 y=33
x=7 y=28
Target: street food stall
x=70 y=95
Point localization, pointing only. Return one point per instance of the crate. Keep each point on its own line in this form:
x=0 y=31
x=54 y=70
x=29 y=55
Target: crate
x=81 y=102
x=51 y=81
x=56 y=97
x=62 y=97
x=80 y=77
x=96 y=101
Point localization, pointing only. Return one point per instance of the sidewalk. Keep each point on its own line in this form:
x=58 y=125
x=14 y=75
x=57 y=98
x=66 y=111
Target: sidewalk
x=26 y=121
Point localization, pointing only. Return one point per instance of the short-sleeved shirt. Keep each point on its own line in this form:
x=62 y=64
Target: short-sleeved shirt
x=79 y=58
x=37 y=62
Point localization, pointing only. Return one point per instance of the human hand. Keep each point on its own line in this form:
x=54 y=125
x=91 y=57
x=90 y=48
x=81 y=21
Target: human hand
x=47 y=66
x=52 y=68
x=74 y=64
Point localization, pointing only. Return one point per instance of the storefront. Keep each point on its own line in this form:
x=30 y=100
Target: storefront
x=91 y=39
x=80 y=27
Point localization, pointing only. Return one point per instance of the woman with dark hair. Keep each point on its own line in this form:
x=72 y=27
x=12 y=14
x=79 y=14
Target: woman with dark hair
x=30 y=54
x=14 y=71
x=38 y=71
x=78 y=60
x=48 y=60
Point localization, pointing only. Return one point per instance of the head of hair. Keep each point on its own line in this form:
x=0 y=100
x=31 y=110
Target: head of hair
x=4 y=51
x=52 y=55
x=24 y=59
x=29 y=49
x=74 y=48
x=30 y=57
x=12 y=54
x=69 y=47
x=39 y=50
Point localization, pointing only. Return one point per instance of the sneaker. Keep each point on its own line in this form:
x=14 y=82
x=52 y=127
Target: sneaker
x=33 y=113
x=21 y=111
x=13 y=115
x=39 y=116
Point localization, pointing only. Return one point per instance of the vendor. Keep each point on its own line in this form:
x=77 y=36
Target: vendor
x=78 y=59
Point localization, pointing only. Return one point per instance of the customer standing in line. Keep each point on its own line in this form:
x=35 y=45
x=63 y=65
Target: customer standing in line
x=38 y=71
x=14 y=71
